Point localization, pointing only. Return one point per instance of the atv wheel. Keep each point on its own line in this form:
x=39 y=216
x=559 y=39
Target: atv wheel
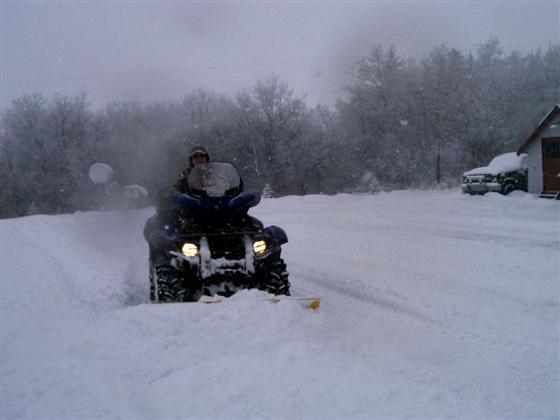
x=153 y=286
x=165 y=285
x=276 y=279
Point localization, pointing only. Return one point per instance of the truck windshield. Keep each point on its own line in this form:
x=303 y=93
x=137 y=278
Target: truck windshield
x=214 y=178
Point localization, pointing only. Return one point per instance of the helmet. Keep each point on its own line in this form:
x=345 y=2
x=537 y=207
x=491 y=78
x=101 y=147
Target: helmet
x=198 y=149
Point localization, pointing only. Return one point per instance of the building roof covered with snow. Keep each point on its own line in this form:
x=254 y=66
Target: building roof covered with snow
x=542 y=125
x=543 y=150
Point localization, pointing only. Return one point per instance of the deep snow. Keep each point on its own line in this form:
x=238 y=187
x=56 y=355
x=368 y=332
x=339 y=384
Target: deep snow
x=434 y=304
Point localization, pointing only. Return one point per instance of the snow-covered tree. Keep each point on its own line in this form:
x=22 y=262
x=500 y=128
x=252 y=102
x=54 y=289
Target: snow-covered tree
x=271 y=121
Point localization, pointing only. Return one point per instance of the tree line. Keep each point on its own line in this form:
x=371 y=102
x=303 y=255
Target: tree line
x=401 y=123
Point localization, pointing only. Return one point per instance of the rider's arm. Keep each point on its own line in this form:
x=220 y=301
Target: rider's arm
x=180 y=184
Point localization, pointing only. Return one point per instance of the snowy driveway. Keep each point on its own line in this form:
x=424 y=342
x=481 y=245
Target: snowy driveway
x=434 y=304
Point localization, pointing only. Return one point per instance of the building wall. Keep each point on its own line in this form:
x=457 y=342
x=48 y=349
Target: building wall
x=534 y=161
x=535 y=182
x=535 y=170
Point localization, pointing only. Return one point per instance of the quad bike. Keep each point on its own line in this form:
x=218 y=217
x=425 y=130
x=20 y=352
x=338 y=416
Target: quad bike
x=217 y=248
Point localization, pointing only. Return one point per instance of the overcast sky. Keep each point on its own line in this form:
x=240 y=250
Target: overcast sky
x=162 y=50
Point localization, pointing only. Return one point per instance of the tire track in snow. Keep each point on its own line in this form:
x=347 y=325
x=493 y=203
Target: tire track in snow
x=372 y=301
x=78 y=284
x=349 y=307
x=370 y=297
x=66 y=284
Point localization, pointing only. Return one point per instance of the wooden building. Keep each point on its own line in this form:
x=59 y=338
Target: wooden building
x=543 y=149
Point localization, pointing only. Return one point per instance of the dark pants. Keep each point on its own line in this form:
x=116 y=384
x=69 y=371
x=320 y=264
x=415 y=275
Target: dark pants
x=158 y=244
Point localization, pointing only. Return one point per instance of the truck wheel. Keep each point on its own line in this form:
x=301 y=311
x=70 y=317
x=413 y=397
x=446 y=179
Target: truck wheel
x=508 y=188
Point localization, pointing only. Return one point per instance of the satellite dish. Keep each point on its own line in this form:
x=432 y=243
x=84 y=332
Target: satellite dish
x=100 y=173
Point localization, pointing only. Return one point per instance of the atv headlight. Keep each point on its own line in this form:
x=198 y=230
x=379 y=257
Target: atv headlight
x=259 y=247
x=189 y=250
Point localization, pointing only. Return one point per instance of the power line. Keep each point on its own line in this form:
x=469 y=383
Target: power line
x=190 y=68
x=217 y=67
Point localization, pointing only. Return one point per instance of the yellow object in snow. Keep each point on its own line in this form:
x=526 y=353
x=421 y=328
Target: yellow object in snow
x=309 y=303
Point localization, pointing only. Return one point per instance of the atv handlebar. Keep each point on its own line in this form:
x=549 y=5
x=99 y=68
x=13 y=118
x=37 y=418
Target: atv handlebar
x=209 y=204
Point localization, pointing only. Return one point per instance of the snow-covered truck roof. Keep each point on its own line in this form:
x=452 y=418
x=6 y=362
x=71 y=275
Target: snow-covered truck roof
x=503 y=163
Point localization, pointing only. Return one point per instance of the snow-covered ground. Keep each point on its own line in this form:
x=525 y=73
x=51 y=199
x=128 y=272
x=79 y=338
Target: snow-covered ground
x=434 y=304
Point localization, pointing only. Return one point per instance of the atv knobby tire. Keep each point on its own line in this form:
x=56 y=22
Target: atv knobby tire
x=165 y=285
x=276 y=279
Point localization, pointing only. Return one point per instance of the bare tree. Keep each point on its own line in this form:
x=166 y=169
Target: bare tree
x=270 y=120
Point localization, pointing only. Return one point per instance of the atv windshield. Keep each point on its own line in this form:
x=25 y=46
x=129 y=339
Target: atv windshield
x=216 y=179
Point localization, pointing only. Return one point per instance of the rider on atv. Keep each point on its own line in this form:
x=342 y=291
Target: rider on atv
x=168 y=217
x=208 y=212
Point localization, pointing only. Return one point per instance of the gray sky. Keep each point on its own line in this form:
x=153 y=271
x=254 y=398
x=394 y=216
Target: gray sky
x=156 y=51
